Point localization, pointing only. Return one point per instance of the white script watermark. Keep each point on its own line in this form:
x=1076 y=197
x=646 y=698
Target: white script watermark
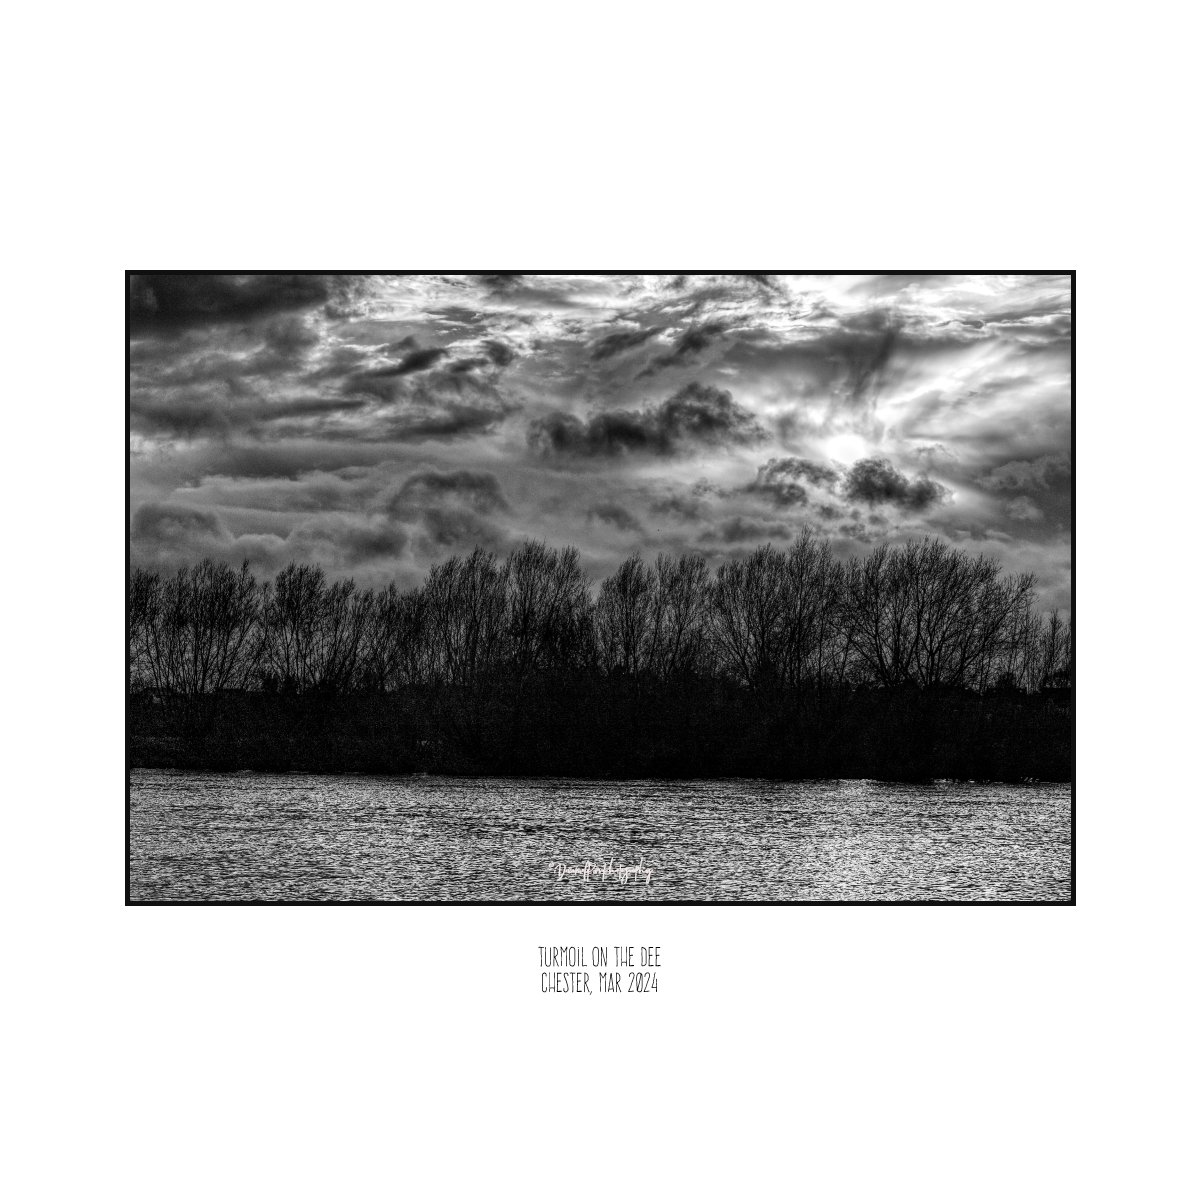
x=604 y=870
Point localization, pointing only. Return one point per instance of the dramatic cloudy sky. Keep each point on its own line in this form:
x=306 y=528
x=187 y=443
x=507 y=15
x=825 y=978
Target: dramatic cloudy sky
x=377 y=424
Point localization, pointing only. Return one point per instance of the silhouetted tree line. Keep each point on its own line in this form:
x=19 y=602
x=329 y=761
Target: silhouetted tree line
x=916 y=659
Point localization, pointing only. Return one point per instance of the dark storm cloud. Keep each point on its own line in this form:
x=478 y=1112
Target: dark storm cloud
x=500 y=281
x=177 y=523
x=616 y=515
x=314 y=406
x=190 y=417
x=1023 y=509
x=313 y=492
x=1048 y=471
x=876 y=481
x=620 y=342
x=166 y=536
x=286 y=342
x=500 y=353
x=688 y=346
x=184 y=418
x=707 y=414
x=448 y=510
x=392 y=381
x=449 y=529
x=842 y=365
x=436 y=405
x=695 y=340
x=495 y=357
x=268 y=349
x=479 y=490
x=354 y=540
x=855 y=531
x=866 y=346
x=162 y=534
x=782 y=480
x=445 y=423
x=747 y=529
x=696 y=414
x=680 y=506
x=286 y=459
x=418 y=360
x=604 y=433
x=163 y=301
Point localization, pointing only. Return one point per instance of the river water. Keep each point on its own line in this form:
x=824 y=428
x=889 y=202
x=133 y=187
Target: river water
x=243 y=837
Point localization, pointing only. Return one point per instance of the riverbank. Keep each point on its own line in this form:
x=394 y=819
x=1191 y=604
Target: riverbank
x=700 y=732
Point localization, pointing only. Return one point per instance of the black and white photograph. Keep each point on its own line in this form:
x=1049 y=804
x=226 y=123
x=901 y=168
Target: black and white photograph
x=687 y=733
x=603 y=588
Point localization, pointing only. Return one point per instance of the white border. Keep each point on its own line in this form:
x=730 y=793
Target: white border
x=831 y=1052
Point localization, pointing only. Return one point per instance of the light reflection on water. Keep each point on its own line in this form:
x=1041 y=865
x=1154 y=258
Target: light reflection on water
x=319 y=837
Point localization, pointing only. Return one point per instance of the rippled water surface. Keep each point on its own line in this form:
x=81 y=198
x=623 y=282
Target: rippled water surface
x=319 y=837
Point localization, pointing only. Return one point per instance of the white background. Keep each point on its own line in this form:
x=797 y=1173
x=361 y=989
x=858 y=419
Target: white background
x=828 y=1052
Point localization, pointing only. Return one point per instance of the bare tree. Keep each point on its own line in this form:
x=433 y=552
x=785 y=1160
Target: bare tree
x=313 y=631
x=678 y=643
x=746 y=611
x=927 y=614
x=548 y=610
x=812 y=649
x=922 y=614
x=394 y=651
x=1039 y=656
x=196 y=630
x=628 y=619
x=465 y=604
x=145 y=590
